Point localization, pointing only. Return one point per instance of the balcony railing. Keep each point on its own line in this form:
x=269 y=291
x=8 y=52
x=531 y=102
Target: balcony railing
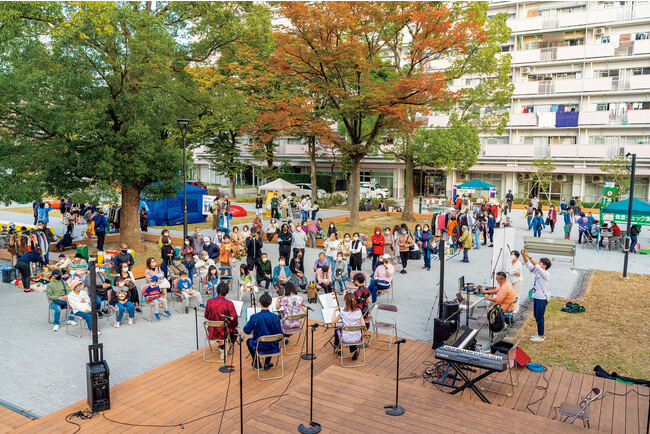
x=523 y=119
x=579 y=19
x=564 y=151
x=638 y=117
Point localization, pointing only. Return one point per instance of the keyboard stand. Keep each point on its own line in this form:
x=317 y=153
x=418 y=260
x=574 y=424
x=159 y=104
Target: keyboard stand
x=458 y=367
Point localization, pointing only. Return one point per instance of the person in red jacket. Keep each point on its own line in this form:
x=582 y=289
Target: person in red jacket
x=221 y=309
x=377 y=247
x=552 y=217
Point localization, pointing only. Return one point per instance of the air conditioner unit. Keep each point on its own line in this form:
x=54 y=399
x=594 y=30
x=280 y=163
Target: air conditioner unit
x=599 y=31
x=596 y=178
x=560 y=178
x=525 y=69
x=463 y=176
x=524 y=177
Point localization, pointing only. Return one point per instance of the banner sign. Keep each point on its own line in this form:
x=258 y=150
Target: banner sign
x=609 y=193
x=206 y=204
x=643 y=220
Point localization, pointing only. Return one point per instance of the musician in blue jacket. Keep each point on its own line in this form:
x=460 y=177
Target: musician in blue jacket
x=263 y=323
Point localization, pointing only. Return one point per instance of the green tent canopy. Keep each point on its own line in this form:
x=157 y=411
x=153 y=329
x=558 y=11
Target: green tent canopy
x=475 y=184
x=640 y=211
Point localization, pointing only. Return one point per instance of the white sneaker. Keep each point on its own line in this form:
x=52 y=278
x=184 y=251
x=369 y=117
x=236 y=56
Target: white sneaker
x=55 y=328
x=117 y=325
x=538 y=338
x=72 y=323
x=130 y=321
x=98 y=333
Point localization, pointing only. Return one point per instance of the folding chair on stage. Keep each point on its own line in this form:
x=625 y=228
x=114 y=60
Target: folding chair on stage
x=378 y=325
x=359 y=344
x=279 y=354
x=290 y=331
x=580 y=411
x=208 y=342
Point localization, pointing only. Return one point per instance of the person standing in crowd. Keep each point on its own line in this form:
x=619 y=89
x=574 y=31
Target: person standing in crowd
x=259 y=204
x=491 y=224
x=144 y=219
x=305 y=207
x=427 y=246
x=583 y=227
x=389 y=245
x=314 y=229
x=275 y=204
x=23 y=267
x=124 y=257
x=568 y=223
x=101 y=224
x=238 y=242
x=538 y=224
x=340 y=271
x=263 y=323
x=552 y=217
x=541 y=293
x=226 y=252
x=44 y=214
x=535 y=202
x=563 y=205
x=529 y=215
x=515 y=276
x=466 y=242
x=635 y=230
x=378 y=241
x=298 y=241
x=187 y=255
x=253 y=250
x=222 y=309
x=356 y=252
x=404 y=242
x=197 y=240
x=284 y=242
x=166 y=254
x=332 y=246
x=216 y=211
x=284 y=204
x=510 y=198
x=331 y=230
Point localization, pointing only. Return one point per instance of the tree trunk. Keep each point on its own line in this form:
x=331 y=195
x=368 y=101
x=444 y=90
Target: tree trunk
x=311 y=146
x=407 y=212
x=353 y=191
x=233 y=194
x=333 y=180
x=130 y=218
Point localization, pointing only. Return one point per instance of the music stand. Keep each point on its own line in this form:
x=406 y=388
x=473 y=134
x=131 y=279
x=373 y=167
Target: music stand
x=225 y=369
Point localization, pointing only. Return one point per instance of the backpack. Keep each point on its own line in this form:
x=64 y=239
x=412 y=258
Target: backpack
x=497 y=319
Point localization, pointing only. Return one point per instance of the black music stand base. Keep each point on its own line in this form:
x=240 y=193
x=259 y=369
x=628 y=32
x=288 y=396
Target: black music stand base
x=395 y=410
x=227 y=369
x=313 y=428
x=308 y=356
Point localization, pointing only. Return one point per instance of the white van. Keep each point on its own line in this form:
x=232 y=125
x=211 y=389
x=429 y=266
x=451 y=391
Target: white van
x=366 y=189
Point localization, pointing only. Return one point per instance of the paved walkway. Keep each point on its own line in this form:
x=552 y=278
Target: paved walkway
x=44 y=371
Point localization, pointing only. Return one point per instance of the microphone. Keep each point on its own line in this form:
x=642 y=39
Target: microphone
x=309 y=308
x=401 y=341
x=226 y=316
x=314 y=325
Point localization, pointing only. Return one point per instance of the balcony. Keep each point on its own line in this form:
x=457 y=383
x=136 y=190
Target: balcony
x=594 y=118
x=642 y=46
x=523 y=119
x=570 y=52
x=643 y=10
x=293 y=150
x=522 y=151
x=641 y=151
x=496 y=150
x=639 y=82
x=638 y=117
x=592 y=151
x=526 y=88
x=526 y=56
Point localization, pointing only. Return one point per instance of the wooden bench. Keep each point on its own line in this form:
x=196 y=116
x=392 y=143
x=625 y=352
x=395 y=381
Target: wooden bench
x=552 y=247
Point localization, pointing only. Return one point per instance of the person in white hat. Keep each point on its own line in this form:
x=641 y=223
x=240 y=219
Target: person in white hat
x=383 y=277
x=204 y=263
x=79 y=302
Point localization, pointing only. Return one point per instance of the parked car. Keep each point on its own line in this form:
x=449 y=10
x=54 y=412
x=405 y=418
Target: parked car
x=374 y=191
x=306 y=189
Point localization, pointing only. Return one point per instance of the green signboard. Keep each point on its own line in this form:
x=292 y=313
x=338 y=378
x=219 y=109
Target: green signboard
x=609 y=192
x=643 y=220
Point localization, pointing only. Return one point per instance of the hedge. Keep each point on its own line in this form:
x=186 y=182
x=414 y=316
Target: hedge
x=324 y=181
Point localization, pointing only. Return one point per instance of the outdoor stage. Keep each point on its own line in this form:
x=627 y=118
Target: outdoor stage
x=191 y=392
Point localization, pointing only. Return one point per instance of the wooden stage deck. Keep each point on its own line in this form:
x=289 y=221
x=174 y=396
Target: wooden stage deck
x=10 y=420
x=191 y=392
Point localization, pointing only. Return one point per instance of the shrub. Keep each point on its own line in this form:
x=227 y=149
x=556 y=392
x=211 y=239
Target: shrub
x=245 y=199
x=375 y=204
x=333 y=200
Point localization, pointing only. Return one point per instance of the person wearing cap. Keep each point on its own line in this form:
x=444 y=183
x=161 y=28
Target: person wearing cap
x=23 y=267
x=101 y=224
x=57 y=293
x=204 y=263
x=382 y=278
x=64 y=264
x=185 y=290
x=121 y=301
x=155 y=296
x=79 y=302
x=466 y=241
x=211 y=248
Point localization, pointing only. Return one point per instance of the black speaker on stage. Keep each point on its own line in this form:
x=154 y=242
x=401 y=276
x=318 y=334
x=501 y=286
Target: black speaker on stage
x=97 y=380
x=451 y=313
x=440 y=332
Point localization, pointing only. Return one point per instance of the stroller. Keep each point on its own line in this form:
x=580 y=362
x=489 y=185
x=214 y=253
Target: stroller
x=295 y=211
x=65 y=243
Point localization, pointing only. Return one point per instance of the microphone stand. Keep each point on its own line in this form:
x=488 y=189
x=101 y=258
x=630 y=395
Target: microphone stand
x=226 y=369
x=196 y=323
x=313 y=427
x=241 y=386
x=308 y=356
x=394 y=409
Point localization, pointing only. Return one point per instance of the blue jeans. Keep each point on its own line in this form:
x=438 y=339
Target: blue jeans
x=477 y=238
x=427 y=257
x=537 y=232
x=375 y=286
x=57 y=305
x=190 y=270
x=332 y=263
x=340 y=283
x=633 y=239
x=313 y=215
x=130 y=308
x=304 y=215
x=163 y=268
x=539 y=308
x=225 y=231
x=530 y=222
x=86 y=316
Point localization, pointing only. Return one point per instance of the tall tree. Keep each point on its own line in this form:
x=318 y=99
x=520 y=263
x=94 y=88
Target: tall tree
x=618 y=173
x=543 y=169
x=366 y=59
x=90 y=93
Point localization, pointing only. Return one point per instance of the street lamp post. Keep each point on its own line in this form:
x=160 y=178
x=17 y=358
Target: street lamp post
x=629 y=213
x=183 y=123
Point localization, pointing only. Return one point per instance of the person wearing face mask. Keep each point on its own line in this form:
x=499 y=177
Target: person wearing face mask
x=297 y=267
x=346 y=244
x=340 y=271
x=224 y=221
x=281 y=276
x=271 y=229
x=152 y=269
x=284 y=243
x=176 y=269
x=356 y=252
x=210 y=248
x=163 y=233
x=383 y=277
x=417 y=235
x=426 y=244
x=324 y=279
x=166 y=254
x=79 y=302
x=212 y=280
x=129 y=281
x=57 y=292
x=187 y=255
x=227 y=250
x=377 y=246
x=331 y=230
x=197 y=240
x=298 y=241
x=389 y=245
x=203 y=264
x=514 y=271
x=218 y=237
x=404 y=242
x=332 y=247
x=237 y=241
x=121 y=301
x=124 y=257
x=315 y=229
x=264 y=271
x=253 y=250
x=466 y=242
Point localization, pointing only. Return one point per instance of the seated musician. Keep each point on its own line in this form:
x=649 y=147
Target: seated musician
x=263 y=323
x=505 y=293
x=361 y=295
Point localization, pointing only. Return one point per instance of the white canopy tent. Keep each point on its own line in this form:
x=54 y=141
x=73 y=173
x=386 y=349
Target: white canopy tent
x=280 y=186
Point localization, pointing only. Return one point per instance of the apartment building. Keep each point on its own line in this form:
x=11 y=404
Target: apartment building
x=581 y=72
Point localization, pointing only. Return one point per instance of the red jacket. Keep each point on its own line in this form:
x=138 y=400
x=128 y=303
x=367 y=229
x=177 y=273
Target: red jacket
x=377 y=242
x=552 y=214
x=213 y=309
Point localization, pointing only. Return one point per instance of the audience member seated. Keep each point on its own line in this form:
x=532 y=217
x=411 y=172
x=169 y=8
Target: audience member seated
x=263 y=323
x=102 y=286
x=245 y=281
x=64 y=264
x=340 y=271
x=186 y=292
x=204 y=263
x=297 y=267
x=361 y=295
x=121 y=302
x=281 y=275
x=57 y=292
x=154 y=270
x=322 y=260
x=238 y=241
x=324 y=279
x=350 y=316
x=211 y=248
x=505 y=293
x=382 y=278
x=264 y=272
x=129 y=281
x=79 y=261
x=219 y=309
x=155 y=296
x=293 y=304
x=124 y=257
x=176 y=269
x=80 y=304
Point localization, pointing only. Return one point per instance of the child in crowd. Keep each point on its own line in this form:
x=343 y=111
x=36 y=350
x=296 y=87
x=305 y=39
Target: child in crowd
x=186 y=292
x=246 y=281
x=122 y=302
x=156 y=297
x=212 y=281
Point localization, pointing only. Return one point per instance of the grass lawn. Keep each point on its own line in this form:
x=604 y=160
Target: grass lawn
x=612 y=332
x=367 y=227
x=23 y=210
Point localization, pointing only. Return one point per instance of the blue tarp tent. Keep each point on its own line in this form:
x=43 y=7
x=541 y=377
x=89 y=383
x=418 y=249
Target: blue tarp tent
x=170 y=211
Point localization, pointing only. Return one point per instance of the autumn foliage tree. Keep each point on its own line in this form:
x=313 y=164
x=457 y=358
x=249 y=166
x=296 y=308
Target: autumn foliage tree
x=367 y=59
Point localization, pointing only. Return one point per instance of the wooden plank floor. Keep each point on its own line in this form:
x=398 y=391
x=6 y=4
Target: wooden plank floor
x=191 y=392
x=10 y=420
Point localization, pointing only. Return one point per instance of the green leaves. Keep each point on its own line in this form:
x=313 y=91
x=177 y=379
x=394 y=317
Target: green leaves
x=453 y=148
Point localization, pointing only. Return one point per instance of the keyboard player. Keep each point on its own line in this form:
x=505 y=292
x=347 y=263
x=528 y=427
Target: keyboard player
x=504 y=295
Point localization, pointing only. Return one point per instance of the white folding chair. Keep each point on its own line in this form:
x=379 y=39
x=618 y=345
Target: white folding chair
x=279 y=354
x=208 y=342
x=378 y=324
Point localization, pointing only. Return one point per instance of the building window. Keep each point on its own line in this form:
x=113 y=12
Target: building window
x=496 y=140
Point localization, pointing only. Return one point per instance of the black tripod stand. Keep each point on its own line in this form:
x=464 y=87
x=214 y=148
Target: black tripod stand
x=226 y=369
x=241 y=385
x=308 y=356
x=313 y=427
x=394 y=409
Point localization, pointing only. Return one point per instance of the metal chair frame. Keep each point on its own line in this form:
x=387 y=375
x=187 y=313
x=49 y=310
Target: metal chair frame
x=50 y=312
x=584 y=412
x=279 y=355
x=79 y=319
x=303 y=327
x=377 y=325
x=359 y=344
x=512 y=364
x=209 y=342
